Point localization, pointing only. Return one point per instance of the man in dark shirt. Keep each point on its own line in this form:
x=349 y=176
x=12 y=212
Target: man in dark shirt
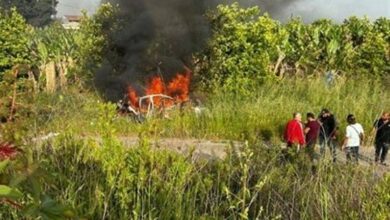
x=382 y=137
x=328 y=132
x=312 y=130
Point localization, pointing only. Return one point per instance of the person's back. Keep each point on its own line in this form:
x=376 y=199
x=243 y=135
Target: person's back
x=294 y=131
x=382 y=138
x=312 y=130
x=353 y=138
x=328 y=132
x=328 y=126
x=354 y=132
x=382 y=127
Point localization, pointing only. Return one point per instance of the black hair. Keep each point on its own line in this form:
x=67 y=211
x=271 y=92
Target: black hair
x=325 y=110
x=310 y=115
x=351 y=119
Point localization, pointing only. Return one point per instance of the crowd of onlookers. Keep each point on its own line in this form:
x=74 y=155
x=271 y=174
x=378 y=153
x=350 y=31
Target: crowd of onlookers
x=324 y=129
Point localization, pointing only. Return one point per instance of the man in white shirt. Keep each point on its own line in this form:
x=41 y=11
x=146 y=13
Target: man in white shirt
x=353 y=138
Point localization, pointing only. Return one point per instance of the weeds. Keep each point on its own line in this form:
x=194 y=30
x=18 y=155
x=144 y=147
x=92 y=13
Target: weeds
x=105 y=180
x=94 y=174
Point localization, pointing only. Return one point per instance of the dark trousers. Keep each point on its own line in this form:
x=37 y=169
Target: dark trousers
x=309 y=149
x=381 y=151
x=353 y=154
x=331 y=143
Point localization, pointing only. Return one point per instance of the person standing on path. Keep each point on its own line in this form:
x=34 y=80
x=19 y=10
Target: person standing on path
x=293 y=133
x=382 y=138
x=312 y=130
x=328 y=132
x=353 y=138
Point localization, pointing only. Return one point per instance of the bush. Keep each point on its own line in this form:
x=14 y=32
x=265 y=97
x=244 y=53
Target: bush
x=14 y=38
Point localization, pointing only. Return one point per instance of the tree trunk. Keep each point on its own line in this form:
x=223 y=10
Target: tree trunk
x=50 y=72
x=63 y=71
x=33 y=80
x=13 y=99
x=279 y=62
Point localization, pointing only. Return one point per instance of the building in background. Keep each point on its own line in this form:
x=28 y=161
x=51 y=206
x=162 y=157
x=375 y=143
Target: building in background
x=71 y=21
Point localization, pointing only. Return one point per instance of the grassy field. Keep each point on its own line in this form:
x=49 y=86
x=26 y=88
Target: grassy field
x=105 y=180
x=261 y=115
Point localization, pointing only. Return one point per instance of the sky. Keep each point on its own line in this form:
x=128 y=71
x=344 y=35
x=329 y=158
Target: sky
x=74 y=7
x=309 y=10
x=339 y=9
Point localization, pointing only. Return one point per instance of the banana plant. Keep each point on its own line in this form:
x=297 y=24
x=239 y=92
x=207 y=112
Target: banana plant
x=55 y=49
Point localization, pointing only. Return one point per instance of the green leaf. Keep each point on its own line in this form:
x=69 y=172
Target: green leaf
x=3 y=165
x=9 y=193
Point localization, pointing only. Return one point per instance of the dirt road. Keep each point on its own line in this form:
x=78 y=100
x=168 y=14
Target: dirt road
x=208 y=149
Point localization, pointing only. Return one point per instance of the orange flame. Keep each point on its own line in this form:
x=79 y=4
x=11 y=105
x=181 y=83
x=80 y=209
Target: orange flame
x=178 y=88
x=133 y=97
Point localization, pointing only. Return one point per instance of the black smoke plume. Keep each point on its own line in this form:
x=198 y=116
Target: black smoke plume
x=158 y=37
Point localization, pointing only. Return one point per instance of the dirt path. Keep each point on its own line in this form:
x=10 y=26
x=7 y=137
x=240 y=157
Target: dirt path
x=217 y=149
x=208 y=149
x=200 y=148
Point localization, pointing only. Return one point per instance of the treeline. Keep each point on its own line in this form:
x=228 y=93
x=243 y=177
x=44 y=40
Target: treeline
x=52 y=52
x=45 y=59
x=248 y=47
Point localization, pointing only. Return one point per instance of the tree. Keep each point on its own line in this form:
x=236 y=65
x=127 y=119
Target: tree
x=37 y=12
x=245 y=49
x=14 y=40
x=92 y=40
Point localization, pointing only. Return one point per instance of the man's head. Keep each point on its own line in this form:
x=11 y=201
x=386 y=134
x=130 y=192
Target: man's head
x=351 y=119
x=385 y=116
x=310 y=116
x=325 y=112
x=297 y=116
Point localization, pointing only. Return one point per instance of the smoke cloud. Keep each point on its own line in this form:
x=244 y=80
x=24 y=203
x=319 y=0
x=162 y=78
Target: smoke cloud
x=159 y=37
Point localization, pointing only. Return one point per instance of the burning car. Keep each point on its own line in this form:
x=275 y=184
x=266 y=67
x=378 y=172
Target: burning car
x=159 y=96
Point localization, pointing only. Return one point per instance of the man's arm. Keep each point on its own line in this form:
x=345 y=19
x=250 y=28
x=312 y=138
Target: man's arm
x=307 y=129
x=345 y=142
x=362 y=136
x=335 y=128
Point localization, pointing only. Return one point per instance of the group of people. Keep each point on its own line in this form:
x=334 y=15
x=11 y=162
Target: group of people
x=324 y=129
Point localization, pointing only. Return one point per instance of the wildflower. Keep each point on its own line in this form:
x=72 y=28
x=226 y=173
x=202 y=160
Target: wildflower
x=7 y=151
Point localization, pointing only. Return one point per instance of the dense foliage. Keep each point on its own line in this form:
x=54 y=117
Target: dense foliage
x=14 y=40
x=248 y=48
x=89 y=172
x=37 y=12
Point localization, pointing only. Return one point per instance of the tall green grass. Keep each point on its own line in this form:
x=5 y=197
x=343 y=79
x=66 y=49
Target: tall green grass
x=260 y=115
x=105 y=180
x=91 y=171
x=264 y=113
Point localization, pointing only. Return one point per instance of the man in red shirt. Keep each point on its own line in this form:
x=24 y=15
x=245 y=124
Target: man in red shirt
x=293 y=133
